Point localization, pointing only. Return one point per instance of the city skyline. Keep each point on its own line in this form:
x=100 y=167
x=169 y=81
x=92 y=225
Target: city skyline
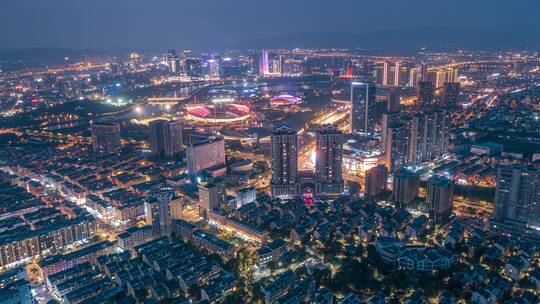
x=239 y=152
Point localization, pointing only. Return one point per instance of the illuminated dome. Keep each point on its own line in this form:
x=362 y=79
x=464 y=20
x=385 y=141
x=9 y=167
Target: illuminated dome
x=283 y=100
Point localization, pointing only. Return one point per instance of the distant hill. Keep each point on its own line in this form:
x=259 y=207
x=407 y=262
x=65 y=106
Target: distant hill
x=407 y=39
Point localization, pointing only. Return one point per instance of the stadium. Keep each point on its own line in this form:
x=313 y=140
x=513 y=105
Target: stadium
x=284 y=100
x=218 y=110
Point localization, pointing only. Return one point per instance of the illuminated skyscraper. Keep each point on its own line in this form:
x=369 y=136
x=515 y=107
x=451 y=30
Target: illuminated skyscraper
x=329 y=161
x=363 y=107
x=264 y=63
x=106 y=137
x=284 y=162
x=440 y=194
x=165 y=138
x=173 y=62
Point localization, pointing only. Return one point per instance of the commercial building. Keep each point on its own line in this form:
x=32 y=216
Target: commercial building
x=284 y=162
x=205 y=154
x=106 y=137
x=440 y=194
x=165 y=138
x=363 y=107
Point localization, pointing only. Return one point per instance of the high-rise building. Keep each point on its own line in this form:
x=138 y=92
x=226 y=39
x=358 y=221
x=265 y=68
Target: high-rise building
x=405 y=188
x=422 y=72
x=106 y=137
x=389 y=118
x=158 y=212
x=205 y=154
x=174 y=62
x=426 y=93
x=396 y=144
x=517 y=199
x=440 y=194
x=212 y=194
x=264 y=63
x=329 y=161
x=443 y=75
x=284 y=162
x=193 y=67
x=393 y=100
x=375 y=181
x=363 y=107
x=165 y=138
x=449 y=96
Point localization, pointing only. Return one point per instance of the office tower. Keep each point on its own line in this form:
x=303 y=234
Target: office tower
x=393 y=100
x=264 y=63
x=362 y=107
x=405 y=188
x=440 y=194
x=158 y=212
x=426 y=93
x=450 y=92
x=517 y=198
x=396 y=141
x=375 y=181
x=212 y=194
x=329 y=161
x=106 y=137
x=284 y=162
x=245 y=196
x=193 y=67
x=165 y=138
x=204 y=154
x=174 y=62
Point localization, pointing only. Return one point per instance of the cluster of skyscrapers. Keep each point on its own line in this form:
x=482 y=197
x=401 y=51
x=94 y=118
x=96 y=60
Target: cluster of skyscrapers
x=328 y=180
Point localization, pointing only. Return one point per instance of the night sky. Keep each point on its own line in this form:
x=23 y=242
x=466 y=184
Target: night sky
x=158 y=24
